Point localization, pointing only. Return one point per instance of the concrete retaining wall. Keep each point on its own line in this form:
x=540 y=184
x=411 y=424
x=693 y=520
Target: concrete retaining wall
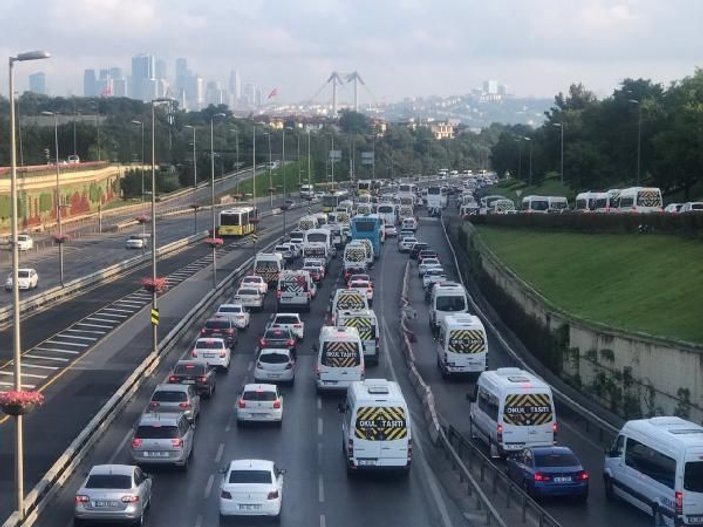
x=632 y=374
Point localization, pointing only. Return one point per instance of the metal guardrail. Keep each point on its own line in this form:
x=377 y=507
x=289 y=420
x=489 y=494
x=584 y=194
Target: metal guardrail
x=591 y=422
x=39 y=497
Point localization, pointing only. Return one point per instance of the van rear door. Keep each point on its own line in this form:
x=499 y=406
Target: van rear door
x=381 y=436
x=528 y=420
x=693 y=487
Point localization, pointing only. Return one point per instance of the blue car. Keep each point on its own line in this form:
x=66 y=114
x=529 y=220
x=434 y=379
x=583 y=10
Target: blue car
x=549 y=471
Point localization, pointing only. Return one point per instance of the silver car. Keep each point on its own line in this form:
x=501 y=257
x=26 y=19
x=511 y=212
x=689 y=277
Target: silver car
x=275 y=365
x=113 y=492
x=163 y=439
x=250 y=298
x=175 y=398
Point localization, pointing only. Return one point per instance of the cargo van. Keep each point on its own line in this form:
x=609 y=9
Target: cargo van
x=462 y=346
x=354 y=259
x=340 y=358
x=295 y=289
x=307 y=222
x=539 y=204
x=512 y=409
x=640 y=199
x=557 y=204
x=447 y=299
x=347 y=299
x=656 y=465
x=376 y=430
x=268 y=266
x=366 y=323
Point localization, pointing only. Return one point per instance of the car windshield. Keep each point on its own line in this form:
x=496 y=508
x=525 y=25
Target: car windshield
x=108 y=481
x=451 y=303
x=157 y=432
x=561 y=459
x=209 y=344
x=274 y=358
x=286 y=319
x=259 y=395
x=164 y=396
x=250 y=476
x=693 y=476
x=190 y=369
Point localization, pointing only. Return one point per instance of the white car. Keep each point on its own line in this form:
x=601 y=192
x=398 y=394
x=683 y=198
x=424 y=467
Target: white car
x=237 y=313
x=137 y=241
x=290 y=321
x=365 y=286
x=406 y=243
x=274 y=365
x=691 y=206
x=315 y=261
x=26 y=279
x=284 y=250
x=214 y=351
x=391 y=231
x=673 y=208
x=256 y=282
x=260 y=402
x=24 y=242
x=295 y=249
x=249 y=297
x=426 y=264
x=251 y=487
x=431 y=276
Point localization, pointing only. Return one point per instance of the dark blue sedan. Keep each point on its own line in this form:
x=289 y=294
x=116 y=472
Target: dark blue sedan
x=549 y=471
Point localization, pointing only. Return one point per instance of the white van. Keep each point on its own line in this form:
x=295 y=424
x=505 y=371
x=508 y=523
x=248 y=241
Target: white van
x=295 y=288
x=640 y=199
x=317 y=250
x=538 y=204
x=512 y=409
x=366 y=323
x=320 y=236
x=368 y=250
x=409 y=224
x=354 y=259
x=590 y=201
x=462 y=346
x=610 y=203
x=377 y=429
x=347 y=299
x=268 y=266
x=340 y=358
x=447 y=299
x=387 y=212
x=557 y=204
x=656 y=465
x=307 y=222
x=307 y=191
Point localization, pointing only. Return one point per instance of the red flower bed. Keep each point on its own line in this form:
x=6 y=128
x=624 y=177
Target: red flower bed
x=19 y=402
x=158 y=285
x=214 y=242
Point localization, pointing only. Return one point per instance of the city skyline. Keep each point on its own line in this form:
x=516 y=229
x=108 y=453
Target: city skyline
x=402 y=48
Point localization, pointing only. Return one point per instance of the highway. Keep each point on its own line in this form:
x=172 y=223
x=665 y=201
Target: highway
x=451 y=402
x=317 y=490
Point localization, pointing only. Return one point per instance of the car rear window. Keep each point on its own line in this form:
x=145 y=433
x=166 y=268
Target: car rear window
x=286 y=319
x=208 y=345
x=255 y=395
x=248 y=292
x=165 y=396
x=231 y=309
x=250 y=476
x=108 y=481
x=693 y=476
x=277 y=334
x=274 y=358
x=251 y=280
x=190 y=369
x=22 y=274
x=561 y=459
x=157 y=432
x=217 y=324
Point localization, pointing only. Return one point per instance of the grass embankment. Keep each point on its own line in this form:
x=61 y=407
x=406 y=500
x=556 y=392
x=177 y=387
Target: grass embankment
x=645 y=283
x=550 y=186
x=263 y=184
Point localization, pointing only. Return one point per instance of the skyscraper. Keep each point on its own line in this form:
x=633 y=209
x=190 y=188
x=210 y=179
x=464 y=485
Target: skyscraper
x=37 y=83
x=160 y=69
x=143 y=75
x=235 y=87
x=90 y=83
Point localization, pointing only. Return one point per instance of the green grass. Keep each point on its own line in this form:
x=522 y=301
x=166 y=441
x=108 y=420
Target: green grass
x=652 y=284
x=549 y=187
x=262 y=181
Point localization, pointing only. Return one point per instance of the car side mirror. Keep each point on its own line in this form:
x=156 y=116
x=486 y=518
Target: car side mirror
x=471 y=397
x=282 y=471
x=315 y=348
x=341 y=408
x=222 y=470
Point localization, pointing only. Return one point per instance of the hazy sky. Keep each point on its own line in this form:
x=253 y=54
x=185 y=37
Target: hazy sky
x=401 y=48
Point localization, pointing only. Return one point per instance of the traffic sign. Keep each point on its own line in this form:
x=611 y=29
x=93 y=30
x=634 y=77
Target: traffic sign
x=155 y=317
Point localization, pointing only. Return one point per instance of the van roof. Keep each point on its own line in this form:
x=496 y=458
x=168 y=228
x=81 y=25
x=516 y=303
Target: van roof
x=338 y=333
x=376 y=391
x=513 y=378
x=462 y=320
x=670 y=430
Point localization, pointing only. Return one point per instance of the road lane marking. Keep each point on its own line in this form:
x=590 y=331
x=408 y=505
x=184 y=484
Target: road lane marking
x=319 y=402
x=319 y=426
x=199 y=521
x=320 y=489
x=251 y=365
x=3 y=383
x=119 y=448
x=319 y=453
x=93 y=325
x=323 y=523
x=220 y=451
x=61 y=343
x=229 y=423
x=29 y=365
x=208 y=487
x=97 y=319
x=56 y=350
x=85 y=331
x=24 y=374
x=43 y=357
x=118 y=310
x=75 y=337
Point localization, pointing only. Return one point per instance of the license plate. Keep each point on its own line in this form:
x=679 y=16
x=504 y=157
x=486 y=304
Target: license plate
x=562 y=479
x=366 y=462
x=209 y=355
x=274 y=375
x=155 y=454
x=104 y=503
x=249 y=507
x=697 y=520
x=189 y=381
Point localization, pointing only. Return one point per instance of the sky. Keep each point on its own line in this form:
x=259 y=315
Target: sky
x=401 y=48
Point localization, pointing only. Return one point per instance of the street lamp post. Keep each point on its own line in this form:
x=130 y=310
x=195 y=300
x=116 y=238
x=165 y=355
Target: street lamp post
x=639 y=135
x=58 y=195
x=561 y=128
x=297 y=160
x=283 y=169
x=97 y=115
x=530 y=165
x=16 y=319
x=212 y=196
x=141 y=124
x=519 y=162
x=195 y=163
x=253 y=183
x=270 y=165
x=236 y=162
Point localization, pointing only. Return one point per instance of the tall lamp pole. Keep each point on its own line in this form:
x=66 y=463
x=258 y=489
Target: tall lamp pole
x=212 y=196
x=297 y=160
x=141 y=124
x=283 y=168
x=270 y=165
x=58 y=194
x=253 y=183
x=530 y=165
x=195 y=164
x=561 y=170
x=639 y=135
x=16 y=319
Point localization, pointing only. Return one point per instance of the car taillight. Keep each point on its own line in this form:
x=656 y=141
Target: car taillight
x=317 y=372
x=193 y=353
x=203 y=331
x=297 y=325
x=582 y=476
x=172 y=378
x=278 y=294
x=273 y=495
x=242 y=403
x=184 y=405
x=289 y=366
x=291 y=342
x=678 y=501
x=229 y=331
x=223 y=354
x=277 y=404
x=538 y=476
x=499 y=433
x=130 y=498
x=177 y=443
x=82 y=499
x=225 y=494
x=202 y=378
x=410 y=450
x=555 y=429
x=153 y=404
x=262 y=342
x=350 y=448
x=136 y=442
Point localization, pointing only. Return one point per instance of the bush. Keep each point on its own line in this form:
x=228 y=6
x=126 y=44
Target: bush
x=689 y=225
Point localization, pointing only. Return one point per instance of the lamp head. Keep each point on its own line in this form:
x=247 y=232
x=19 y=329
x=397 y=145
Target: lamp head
x=31 y=55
